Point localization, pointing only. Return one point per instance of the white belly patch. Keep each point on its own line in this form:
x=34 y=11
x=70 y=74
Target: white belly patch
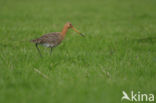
x=47 y=45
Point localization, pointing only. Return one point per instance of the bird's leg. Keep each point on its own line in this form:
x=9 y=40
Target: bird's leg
x=50 y=50
x=38 y=50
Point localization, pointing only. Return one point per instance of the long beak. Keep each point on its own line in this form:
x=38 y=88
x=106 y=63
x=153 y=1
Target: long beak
x=78 y=31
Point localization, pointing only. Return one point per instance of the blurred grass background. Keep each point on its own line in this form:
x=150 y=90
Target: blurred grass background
x=118 y=52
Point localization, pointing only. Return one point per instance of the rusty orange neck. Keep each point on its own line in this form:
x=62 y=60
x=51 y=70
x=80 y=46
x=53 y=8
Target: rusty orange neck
x=64 y=31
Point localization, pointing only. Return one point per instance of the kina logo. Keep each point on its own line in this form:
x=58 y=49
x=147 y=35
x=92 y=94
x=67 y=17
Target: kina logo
x=138 y=96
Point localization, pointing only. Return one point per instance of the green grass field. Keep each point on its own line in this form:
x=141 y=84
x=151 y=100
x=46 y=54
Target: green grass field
x=118 y=52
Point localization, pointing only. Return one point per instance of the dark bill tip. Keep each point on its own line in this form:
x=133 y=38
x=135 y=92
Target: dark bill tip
x=82 y=34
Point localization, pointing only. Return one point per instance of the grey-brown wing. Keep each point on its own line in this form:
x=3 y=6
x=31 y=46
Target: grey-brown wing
x=52 y=38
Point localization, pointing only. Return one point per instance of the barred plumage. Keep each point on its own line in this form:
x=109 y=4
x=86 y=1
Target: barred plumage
x=53 y=39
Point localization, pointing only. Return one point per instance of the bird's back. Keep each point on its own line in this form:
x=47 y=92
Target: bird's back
x=50 y=40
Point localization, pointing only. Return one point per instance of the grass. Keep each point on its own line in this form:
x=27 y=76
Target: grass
x=118 y=52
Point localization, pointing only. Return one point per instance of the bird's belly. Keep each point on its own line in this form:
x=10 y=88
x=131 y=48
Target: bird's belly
x=47 y=45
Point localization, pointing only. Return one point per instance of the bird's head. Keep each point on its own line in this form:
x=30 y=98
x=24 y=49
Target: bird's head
x=69 y=25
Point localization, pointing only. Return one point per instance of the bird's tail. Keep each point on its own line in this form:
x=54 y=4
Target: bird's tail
x=34 y=41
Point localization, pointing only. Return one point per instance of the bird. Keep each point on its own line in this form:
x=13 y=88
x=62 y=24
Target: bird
x=52 y=40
